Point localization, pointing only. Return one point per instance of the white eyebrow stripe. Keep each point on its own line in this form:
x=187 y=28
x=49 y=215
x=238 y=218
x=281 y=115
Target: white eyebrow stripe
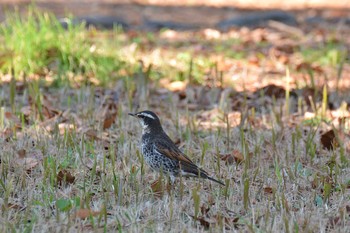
x=147 y=115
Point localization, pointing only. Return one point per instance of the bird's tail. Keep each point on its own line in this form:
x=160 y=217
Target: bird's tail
x=217 y=181
x=203 y=174
x=193 y=170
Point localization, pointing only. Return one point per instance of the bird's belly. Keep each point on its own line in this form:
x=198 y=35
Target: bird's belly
x=159 y=162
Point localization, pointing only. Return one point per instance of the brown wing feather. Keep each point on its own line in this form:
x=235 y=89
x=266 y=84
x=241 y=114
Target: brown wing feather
x=172 y=152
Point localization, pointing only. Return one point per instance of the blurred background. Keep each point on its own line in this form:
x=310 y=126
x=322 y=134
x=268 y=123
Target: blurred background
x=184 y=14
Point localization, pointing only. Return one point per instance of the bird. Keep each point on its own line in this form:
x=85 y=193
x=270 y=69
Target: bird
x=161 y=153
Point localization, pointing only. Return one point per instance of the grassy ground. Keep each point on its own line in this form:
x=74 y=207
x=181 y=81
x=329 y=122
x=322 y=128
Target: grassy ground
x=70 y=159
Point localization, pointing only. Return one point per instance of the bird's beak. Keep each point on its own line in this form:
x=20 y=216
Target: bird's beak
x=132 y=114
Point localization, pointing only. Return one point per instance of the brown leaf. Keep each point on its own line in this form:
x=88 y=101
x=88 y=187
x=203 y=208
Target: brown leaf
x=254 y=60
x=286 y=48
x=46 y=105
x=228 y=158
x=231 y=221
x=85 y=213
x=133 y=169
x=26 y=111
x=238 y=156
x=109 y=120
x=21 y=153
x=28 y=163
x=65 y=176
x=90 y=164
x=15 y=206
x=14 y=119
x=202 y=221
x=347 y=208
x=6 y=134
x=182 y=95
x=235 y=156
x=308 y=92
x=268 y=190
x=48 y=113
x=304 y=66
x=92 y=134
x=132 y=34
x=328 y=140
x=158 y=188
x=205 y=209
x=273 y=90
x=333 y=221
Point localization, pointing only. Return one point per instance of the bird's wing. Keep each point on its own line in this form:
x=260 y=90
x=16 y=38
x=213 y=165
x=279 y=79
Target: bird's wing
x=171 y=151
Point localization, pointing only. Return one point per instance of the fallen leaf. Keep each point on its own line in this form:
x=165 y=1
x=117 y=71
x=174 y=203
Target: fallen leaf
x=228 y=158
x=85 y=213
x=109 y=120
x=132 y=34
x=347 y=208
x=177 y=86
x=235 y=156
x=14 y=119
x=21 y=153
x=28 y=163
x=254 y=60
x=230 y=221
x=205 y=209
x=328 y=140
x=92 y=134
x=273 y=91
x=20 y=86
x=6 y=134
x=158 y=188
x=313 y=94
x=304 y=66
x=342 y=121
x=133 y=169
x=46 y=106
x=90 y=164
x=286 y=48
x=333 y=221
x=65 y=176
x=26 y=111
x=49 y=112
x=15 y=206
x=202 y=221
x=182 y=95
x=268 y=190
x=238 y=156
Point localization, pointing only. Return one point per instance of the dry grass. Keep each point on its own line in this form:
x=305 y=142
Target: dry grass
x=286 y=182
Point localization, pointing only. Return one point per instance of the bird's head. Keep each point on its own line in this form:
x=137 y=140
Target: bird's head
x=148 y=120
